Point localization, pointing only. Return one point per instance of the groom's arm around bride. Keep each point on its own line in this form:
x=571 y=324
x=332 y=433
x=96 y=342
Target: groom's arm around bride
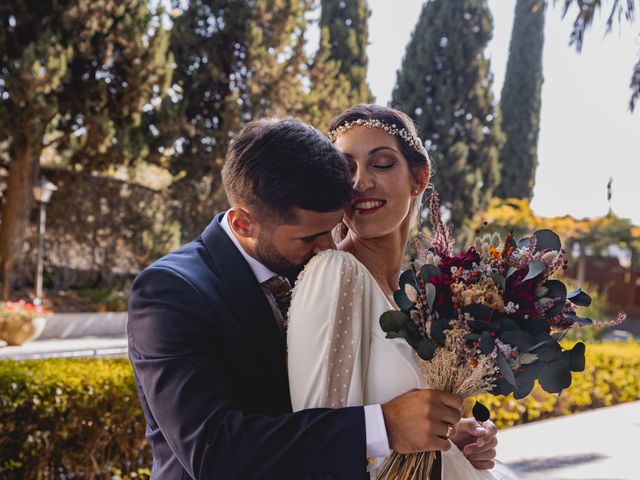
x=205 y=338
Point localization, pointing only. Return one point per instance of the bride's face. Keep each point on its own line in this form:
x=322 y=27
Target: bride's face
x=383 y=184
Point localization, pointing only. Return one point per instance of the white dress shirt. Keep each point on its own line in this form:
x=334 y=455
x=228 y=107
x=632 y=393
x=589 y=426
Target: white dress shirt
x=376 y=432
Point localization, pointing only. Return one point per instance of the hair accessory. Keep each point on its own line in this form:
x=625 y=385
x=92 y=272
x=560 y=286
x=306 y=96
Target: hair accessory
x=392 y=129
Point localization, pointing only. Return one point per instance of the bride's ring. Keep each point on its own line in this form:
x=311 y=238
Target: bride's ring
x=449 y=431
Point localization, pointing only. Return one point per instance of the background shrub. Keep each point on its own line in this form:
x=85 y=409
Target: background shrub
x=81 y=419
x=71 y=419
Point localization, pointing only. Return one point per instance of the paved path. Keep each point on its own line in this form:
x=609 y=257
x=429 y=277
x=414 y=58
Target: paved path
x=69 y=347
x=602 y=444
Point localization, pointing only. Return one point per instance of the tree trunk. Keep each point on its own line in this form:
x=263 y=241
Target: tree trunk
x=17 y=207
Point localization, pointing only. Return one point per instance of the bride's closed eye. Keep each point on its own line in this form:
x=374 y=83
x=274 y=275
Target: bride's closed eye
x=384 y=163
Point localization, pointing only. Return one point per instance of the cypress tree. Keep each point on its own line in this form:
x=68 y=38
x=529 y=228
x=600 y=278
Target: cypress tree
x=445 y=84
x=520 y=102
x=233 y=63
x=344 y=24
x=77 y=76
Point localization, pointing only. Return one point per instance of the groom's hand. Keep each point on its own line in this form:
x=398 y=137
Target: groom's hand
x=477 y=441
x=419 y=420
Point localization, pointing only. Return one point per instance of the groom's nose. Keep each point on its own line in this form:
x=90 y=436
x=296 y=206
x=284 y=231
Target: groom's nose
x=324 y=242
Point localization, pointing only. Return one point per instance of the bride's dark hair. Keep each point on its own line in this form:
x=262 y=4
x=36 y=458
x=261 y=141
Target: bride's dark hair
x=416 y=155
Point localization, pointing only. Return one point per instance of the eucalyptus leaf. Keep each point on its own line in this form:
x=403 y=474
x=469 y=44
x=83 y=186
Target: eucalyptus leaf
x=576 y=357
x=480 y=412
x=506 y=324
x=547 y=240
x=556 y=376
x=524 y=242
x=487 y=343
x=426 y=348
x=438 y=327
x=402 y=300
x=536 y=267
x=427 y=271
x=536 y=326
x=505 y=369
x=539 y=344
x=499 y=280
x=524 y=383
x=579 y=297
x=511 y=271
x=518 y=338
x=502 y=387
x=555 y=288
x=523 y=389
x=430 y=294
x=579 y=320
x=548 y=352
x=394 y=320
x=408 y=276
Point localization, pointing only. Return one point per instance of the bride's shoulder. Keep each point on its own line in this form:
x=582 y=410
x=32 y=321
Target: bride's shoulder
x=335 y=262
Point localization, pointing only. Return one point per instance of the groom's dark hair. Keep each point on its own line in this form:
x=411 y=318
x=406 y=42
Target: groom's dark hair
x=277 y=165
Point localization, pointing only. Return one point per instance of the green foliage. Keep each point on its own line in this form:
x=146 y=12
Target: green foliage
x=76 y=75
x=232 y=64
x=107 y=300
x=586 y=12
x=612 y=376
x=520 y=102
x=70 y=418
x=445 y=85
x=344 y=25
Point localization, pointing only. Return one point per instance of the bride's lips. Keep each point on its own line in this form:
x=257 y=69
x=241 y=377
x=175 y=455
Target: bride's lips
x=366 y=206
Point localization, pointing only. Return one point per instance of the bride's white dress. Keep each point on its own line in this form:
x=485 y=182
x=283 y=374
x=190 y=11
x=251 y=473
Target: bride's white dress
x=338 y=354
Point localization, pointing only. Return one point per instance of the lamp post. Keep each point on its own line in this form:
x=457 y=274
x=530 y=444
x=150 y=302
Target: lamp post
x=42 y=192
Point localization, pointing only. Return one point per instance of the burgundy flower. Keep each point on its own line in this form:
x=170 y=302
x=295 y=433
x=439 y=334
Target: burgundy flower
x=464 y=260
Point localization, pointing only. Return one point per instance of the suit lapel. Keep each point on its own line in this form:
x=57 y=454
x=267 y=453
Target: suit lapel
x=242 y=292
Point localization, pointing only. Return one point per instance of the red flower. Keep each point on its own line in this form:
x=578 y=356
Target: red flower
x=463 y=260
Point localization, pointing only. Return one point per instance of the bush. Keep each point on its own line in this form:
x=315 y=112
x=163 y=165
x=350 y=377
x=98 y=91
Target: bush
x=81 y=419
x=71 y=419
x=612 y=375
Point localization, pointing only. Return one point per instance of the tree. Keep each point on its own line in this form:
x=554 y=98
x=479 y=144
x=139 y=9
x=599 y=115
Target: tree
x=235 y=61
x=620 y=11
x=520 y=102
x=445 y=84
x=344 y=25
x=78 y=75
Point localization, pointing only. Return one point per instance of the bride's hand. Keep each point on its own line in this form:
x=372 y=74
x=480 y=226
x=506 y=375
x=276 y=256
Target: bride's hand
x=421 y=420
x=477 y=441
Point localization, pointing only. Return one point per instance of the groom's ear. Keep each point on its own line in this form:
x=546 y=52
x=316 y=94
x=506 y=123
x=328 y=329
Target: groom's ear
x=242 y=222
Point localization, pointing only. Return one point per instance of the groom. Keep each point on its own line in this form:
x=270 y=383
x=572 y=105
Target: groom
x=206 y=335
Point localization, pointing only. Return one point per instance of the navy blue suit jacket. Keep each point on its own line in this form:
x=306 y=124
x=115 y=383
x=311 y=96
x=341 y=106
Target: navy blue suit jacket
x=210 y=368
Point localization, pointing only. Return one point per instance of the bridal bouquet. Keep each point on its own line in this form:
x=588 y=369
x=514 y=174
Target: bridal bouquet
x=486 y=320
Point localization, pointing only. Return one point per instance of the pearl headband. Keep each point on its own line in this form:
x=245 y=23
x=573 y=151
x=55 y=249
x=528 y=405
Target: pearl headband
x=392 y=129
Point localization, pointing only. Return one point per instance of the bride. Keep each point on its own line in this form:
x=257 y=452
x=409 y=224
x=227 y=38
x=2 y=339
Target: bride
x=338 y=354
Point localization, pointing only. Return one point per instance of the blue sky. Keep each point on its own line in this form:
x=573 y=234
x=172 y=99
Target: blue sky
x=587 y=133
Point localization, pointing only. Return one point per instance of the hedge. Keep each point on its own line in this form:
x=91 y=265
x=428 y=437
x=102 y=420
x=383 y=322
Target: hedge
x=71 y=419
x=80 y=419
